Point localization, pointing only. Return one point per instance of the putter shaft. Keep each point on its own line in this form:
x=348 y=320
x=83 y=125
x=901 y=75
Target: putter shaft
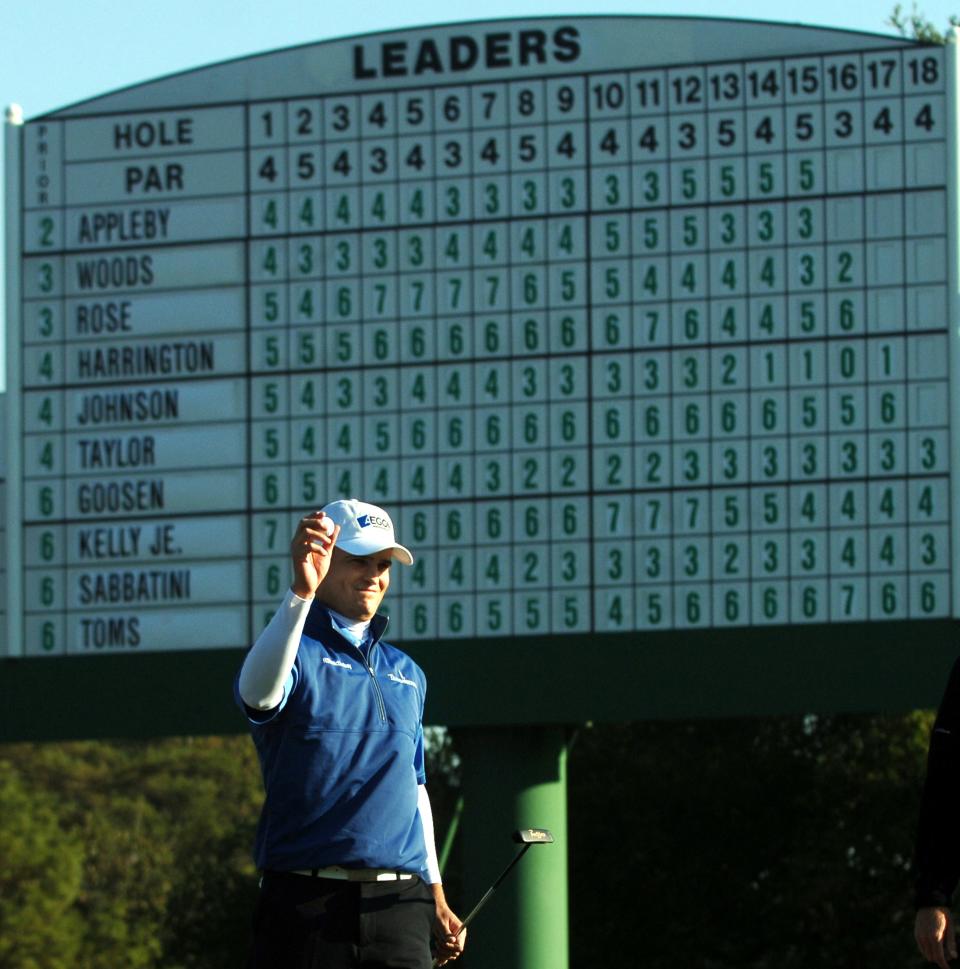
x=542 y=836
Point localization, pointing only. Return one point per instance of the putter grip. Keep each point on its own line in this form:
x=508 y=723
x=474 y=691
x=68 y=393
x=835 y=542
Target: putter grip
x=486 y=895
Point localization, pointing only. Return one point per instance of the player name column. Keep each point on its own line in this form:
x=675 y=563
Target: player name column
x=154 y=405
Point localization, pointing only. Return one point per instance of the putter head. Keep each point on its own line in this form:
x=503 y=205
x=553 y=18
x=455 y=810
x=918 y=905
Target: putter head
x=533 y=836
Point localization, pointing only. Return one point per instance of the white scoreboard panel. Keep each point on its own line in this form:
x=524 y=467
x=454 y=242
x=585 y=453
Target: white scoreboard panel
x=633 y=323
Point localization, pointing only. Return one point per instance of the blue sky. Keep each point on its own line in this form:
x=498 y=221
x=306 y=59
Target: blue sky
x=55 y=52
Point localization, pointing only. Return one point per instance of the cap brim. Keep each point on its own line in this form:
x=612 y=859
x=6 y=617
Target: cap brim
x=399 y=552
x=403 y=554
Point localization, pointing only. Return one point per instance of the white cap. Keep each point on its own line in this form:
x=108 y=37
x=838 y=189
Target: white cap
x=365 y=529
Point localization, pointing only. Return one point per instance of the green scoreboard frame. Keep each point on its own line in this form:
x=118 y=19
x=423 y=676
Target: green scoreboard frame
x=644 y=329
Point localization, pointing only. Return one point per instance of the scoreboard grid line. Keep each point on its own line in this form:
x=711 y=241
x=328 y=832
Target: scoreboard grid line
x=248 y=518
x=591 y=355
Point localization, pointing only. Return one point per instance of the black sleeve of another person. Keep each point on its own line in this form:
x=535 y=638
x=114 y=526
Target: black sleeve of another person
x=937 y=857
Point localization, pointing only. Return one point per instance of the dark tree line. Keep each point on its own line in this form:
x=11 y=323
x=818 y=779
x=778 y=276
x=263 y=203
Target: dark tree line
x=773 y=844
x=741 y=844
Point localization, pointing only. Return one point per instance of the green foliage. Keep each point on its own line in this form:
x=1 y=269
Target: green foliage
x=132 y=855
x=40 y=880
x=216 y=795
x=766 y=844
x=775 y=844
x=916 y=26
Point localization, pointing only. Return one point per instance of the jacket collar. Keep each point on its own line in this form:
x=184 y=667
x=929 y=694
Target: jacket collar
x=319 y=625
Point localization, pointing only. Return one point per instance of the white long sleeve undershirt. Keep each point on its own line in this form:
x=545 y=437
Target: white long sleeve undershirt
x=270 y=660
x=426 y=819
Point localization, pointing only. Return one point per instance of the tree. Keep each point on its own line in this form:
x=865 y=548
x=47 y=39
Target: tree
x=40 y=880
x=212 y=786
x=158 y=836
x=916 y=25
x=780 y=843
x=747 y=844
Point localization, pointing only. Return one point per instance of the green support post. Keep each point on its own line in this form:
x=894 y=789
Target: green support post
x=514 y=777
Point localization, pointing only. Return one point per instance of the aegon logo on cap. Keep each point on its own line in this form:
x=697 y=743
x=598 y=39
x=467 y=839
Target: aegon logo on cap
x=374 y=520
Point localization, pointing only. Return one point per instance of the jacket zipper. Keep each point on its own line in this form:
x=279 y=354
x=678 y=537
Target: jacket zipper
x=367 y=664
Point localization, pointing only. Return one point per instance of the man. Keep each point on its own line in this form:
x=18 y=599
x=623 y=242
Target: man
x=345 y=840
x=937 y=856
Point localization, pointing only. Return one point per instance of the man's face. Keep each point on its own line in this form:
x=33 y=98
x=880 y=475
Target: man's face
x=356 y=584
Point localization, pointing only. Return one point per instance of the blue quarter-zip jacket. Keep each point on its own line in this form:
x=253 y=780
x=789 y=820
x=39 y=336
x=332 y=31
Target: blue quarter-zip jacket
x=342 y=756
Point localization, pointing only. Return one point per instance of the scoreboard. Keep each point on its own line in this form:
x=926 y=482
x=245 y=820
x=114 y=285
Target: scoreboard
x=3 y=524
x=634 y=324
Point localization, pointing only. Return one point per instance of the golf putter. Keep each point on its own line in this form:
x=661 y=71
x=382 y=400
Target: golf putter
x=525 y=837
